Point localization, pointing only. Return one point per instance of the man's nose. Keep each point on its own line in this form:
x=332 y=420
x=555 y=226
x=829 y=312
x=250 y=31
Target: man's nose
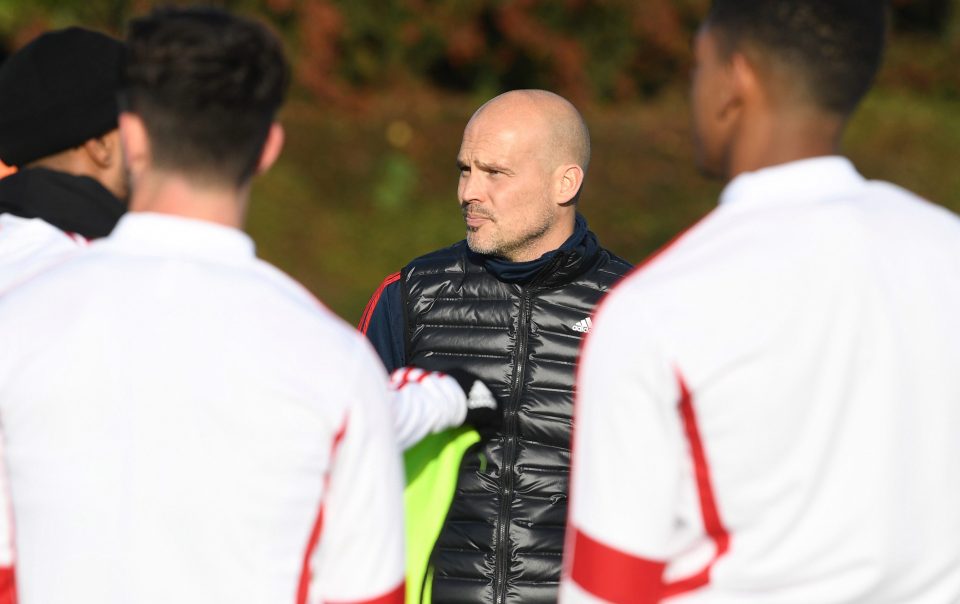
x=470 y=188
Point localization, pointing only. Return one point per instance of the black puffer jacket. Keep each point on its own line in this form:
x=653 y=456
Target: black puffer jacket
x=503 y=537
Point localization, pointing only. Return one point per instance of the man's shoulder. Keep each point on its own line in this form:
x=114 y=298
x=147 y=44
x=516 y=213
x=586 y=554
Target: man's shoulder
x=296 y=294
x=613 y=264
x=29 y=245
x=97 y=276
x=309 y=320
x=16 y=230
x=900 y=204
x=680 y=259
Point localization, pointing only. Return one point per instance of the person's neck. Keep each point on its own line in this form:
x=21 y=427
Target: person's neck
x=71 y=161
x=77 y=162
x=552 y=240
x=170 y=193
x=773 y=139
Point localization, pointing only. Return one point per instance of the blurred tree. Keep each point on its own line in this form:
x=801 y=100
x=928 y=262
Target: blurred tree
x=586 y=49
x=611 y=49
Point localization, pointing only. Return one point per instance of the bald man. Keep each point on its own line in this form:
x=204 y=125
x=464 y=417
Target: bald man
x=510 y=304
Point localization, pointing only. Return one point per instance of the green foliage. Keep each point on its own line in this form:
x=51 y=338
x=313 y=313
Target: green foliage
x=611 y=49
x=396 y=179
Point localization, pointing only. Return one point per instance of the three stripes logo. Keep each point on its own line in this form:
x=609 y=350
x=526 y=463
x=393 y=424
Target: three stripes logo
x=583 y=325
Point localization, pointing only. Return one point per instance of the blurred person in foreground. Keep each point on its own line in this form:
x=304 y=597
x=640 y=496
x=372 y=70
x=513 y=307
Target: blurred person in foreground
x=769 y=410
x=183 y=422
x=510 y=304
x=58 y=126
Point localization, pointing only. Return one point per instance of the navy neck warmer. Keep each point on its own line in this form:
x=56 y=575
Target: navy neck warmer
x=581 y=243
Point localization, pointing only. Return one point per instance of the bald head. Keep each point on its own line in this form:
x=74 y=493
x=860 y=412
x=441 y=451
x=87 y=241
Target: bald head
x=522 y=162
x=561 y=130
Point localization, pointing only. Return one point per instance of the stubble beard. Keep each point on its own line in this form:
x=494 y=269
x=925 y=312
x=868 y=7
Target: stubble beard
x=499 y=244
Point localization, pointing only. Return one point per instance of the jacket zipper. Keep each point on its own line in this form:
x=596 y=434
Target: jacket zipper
x=510 y=436
x=502 y=560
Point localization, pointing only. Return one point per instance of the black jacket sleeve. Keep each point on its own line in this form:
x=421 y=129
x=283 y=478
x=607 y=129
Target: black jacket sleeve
x=382 y=323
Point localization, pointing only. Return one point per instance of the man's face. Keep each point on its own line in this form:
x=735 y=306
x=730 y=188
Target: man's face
x=505 y=188
x=709 y=92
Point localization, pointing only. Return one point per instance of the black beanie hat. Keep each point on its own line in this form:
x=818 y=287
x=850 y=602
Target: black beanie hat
x=57 y=92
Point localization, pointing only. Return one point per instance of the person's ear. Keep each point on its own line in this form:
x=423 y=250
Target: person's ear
x=271 y=148
x=101 y=150
x=569 y=181
x=743 y=87
x=135 y=143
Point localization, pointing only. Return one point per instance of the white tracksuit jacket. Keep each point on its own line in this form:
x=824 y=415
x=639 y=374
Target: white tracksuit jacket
x=183 y=423
x=769 y=410
x=27 y=245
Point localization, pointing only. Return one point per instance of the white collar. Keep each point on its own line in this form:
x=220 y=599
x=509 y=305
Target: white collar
x=168 y=234
x=799 y=181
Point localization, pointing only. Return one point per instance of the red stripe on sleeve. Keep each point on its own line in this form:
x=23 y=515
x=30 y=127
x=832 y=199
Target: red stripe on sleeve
x=8 y=574
x=394 y=597
x=712 y=523
x=405 y=379
x=77 y=238
x=364 y=324
x=613 y=575
x=303 y=588
x=8 y=585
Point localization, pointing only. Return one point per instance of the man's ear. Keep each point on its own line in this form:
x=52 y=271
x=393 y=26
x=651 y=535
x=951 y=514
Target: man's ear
x=271 y=148
x=744 y=85
x=101 y=150
x=570 y=178
x=135 y=143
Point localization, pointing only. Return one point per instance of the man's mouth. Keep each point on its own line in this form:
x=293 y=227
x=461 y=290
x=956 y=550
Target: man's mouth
x=475 y=219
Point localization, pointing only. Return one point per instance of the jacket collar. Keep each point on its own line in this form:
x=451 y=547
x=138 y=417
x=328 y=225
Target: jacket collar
x=168 y=235
x=560 y=266
x=794 y=182
x=75 y=204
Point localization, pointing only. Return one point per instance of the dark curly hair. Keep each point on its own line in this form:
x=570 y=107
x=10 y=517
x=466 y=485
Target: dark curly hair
x=832 y=48
x=207 y=85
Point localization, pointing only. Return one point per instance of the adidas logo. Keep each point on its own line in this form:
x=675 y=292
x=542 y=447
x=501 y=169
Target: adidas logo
x=583 y=325
x=480 y=396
